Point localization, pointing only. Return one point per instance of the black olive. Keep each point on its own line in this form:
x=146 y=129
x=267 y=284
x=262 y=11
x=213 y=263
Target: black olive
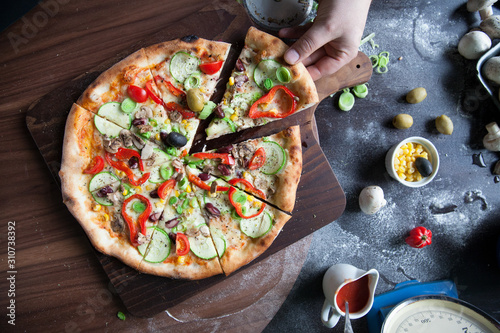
x=189 y=38
x=175 y=139
x=423 y=166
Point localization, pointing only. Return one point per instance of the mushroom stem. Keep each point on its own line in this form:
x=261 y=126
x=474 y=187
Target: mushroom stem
x=486 y=12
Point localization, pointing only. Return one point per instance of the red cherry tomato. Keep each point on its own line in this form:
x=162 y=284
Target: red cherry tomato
x=181 y=244
x=138 y=94
x=95 y=166
x=258 y=159
x=165 y=188
x=211 y=67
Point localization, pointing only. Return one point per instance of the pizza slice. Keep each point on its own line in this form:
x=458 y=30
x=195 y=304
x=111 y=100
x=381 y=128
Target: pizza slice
x=262 y=87
x=186 y=72
x=181 y=245
x=272 y=164
x=242 y=226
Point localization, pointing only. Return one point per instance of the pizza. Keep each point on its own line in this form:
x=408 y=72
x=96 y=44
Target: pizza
x=129 y=177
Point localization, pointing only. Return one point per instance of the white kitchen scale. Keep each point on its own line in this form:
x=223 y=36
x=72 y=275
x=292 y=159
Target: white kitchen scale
x=429 y=307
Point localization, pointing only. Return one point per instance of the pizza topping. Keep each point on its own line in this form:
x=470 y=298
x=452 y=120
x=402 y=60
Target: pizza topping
x=238 y=199
x=193 y=232
x=195 y=99
x=239 y=80
x=205 y=231
x=211 y=209
x=204 y=175
x=95 y=166
x=172 y=223
x=152 y=92
x=282 y=100
x=103 y=192
x=211 y=68
x=165 y=188
x=147 y=151
x=141 y=220
x=181 y=244
x=198 y=182
x=112 y=145
x=138 y=141
x=173 y=139
x=133 y=157
x=117 y=225
x=258 y=159
x=126 y=137
x=240 y=67
x=224 y=169
x=155 y=216
x=120 y=165
x=186 y=114
x=225 y=158
x=219 y=112
x=138 y=94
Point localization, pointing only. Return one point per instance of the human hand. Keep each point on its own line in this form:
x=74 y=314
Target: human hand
x=332 y=40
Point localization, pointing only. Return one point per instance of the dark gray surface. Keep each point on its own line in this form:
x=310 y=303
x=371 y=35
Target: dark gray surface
x=425 y=34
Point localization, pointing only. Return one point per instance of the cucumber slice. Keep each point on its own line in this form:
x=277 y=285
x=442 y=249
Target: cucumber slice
x=220 y=241
x=275 y=158
x=266 y=69
x=258 y=226
x=106 y=127
x=102 y=179
x=219 y=127
x=112 y=111
x=202 y=247
x=161 y=159
x=158 y=248
x=183 y=65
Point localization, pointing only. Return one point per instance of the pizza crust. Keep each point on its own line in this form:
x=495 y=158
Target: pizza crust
x=112 y=84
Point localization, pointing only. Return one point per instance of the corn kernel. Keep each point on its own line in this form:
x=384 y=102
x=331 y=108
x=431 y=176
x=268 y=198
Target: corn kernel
x=96 y=208
x=167 y=121
x=125 y=192
x=234 y=117
x=138 y=189
x=162 y=201
x=157 y=136
x=249 y=198
x=106 y=217
x=177 y=193
x=184 y=121
x=202 y=89
x=188 y=189
x=404 y=161
x=231 y=81
x=158 y=204
x=181 y=259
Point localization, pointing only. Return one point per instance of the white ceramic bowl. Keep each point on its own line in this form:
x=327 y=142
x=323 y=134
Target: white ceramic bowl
x=433 y=158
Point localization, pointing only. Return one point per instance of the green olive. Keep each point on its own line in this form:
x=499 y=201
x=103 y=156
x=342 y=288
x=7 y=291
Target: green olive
x=444 y=124
x=402 y=121
x=195 y=99
x=417 y=95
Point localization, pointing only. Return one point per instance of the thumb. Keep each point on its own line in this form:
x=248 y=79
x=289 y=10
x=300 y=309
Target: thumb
x=311 y=40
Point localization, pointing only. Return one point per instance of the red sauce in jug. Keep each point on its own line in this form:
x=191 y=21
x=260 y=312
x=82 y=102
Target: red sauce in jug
x=356 y=293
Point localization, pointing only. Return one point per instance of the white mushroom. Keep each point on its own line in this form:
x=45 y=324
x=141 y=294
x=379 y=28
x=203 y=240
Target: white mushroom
x=371 y=199
x=474 y=44
x=491 y=26
x=491 y=69
x=481 y=6
x=491 y=141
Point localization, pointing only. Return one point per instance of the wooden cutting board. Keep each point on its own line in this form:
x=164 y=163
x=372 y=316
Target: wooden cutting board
x=320 y=198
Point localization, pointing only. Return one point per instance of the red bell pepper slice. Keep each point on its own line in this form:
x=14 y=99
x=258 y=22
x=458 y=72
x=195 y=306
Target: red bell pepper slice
x=419 y=237
x=258 y=159
x=120 y=165
x=138 y=94
x=204 y=186
x=226 y=158
x=95 y=166
x=247 y=186
x=255 y=112
x=126 y=154
x=141 y=220
x=239 y=208
x=151 y=90
x=181 y=244
x=211 y=68
x=165 y=188
x=173 y=90
x=172 y=106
